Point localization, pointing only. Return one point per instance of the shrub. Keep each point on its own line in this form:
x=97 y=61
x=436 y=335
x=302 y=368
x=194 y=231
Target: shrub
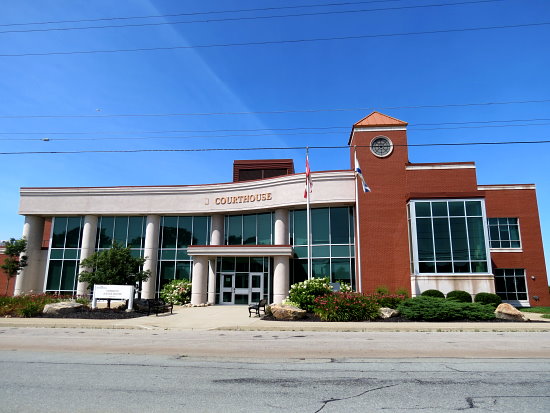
x=433 y=293
x=459 y=295
x=345 y=307
x=488 y=298
x=177 y=292
x=28 y=305
x=31 y=309
x=305 y=292
x=439 y=309
x=388 y=300
x=382 y=290
x=402 y=291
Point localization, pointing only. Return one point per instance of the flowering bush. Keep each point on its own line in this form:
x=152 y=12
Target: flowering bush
x=177 y=292
x=305 y=292
x=29 y=305
x=341 y=306
x=388 y=300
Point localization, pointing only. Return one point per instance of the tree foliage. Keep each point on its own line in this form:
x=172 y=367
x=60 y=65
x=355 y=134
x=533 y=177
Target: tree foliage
x=115 y=266
x=15 y=260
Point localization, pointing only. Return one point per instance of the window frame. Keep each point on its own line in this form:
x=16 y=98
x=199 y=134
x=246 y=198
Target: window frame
x=504 y=249
x=413 y=238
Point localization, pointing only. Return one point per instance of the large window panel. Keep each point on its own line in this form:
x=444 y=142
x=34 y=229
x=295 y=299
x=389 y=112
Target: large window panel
x=504 y=233
x=339 y=226
x=448 y=236
x=320 y=226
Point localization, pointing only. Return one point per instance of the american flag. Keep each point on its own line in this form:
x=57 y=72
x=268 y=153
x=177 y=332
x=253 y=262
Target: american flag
x=309 y=184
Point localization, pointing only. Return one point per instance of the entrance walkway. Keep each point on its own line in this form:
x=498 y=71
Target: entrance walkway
x=220 y=317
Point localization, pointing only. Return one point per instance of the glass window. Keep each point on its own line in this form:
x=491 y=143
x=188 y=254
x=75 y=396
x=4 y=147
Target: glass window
x=234 y=230
x=452 y=240
x=74 y=232
x=300 y=227
x=339 y=226
x=249 y=230
x=136 y=232
x=504 y=233
x=320 y=225
x=58 y=233
x=201 y=228
x=265 y=229
x=185 y=231
x=121 y=230
x=106 y=230
x=169 y=231
x=510 y=284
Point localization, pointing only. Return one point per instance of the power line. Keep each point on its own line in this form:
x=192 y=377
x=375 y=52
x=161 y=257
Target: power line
x=280 y=111
x=128 y=138
x=267 y=148
x=273 y=42
x=250 y=18
x=275 y=129
x=200 y=13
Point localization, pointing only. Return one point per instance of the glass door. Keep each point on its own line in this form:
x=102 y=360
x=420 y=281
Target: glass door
x=227 y=288
x=256 y=286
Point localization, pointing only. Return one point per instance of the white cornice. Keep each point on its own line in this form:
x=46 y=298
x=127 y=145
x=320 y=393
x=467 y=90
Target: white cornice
x=504 y=187
x=240 y=250
x=439 y=166
x=378 y=128
x=210 y=189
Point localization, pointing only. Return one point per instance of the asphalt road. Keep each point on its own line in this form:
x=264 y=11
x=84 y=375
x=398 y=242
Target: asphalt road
x=94 y=382
x=280 y=344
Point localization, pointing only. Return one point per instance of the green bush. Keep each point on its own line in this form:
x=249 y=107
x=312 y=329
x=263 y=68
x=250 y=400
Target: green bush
x=382 y=290
x=177 y=292
x=459 y=295
x=402 y=291
x=345 y=307
x=433 y=293
x=389 y=300
x=439 y=309
x=31 y=309
x=305 y=292
x=488 y=298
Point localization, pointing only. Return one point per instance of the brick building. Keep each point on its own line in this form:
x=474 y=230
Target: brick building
x=422 y=226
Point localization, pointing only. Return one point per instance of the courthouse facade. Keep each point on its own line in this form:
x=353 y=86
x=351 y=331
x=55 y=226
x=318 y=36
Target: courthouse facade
x=422 y=226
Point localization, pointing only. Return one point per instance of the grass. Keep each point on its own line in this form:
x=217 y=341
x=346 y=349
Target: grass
x=545 y=311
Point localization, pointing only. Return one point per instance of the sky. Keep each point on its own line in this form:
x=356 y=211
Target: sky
x=201 y=84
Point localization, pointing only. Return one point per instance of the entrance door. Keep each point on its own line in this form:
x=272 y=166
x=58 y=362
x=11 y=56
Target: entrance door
x=241 y=288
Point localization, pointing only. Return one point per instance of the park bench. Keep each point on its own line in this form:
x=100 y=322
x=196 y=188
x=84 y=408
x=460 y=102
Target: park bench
x=257 y=307
x=158 y=305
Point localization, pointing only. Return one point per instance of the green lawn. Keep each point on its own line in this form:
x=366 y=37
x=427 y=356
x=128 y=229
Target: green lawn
x=540 y=310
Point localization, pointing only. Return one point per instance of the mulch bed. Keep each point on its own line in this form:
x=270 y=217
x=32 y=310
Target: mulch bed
x=97 y=314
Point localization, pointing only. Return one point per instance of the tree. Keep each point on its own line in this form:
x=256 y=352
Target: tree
x=115 y=266
x=15 y=260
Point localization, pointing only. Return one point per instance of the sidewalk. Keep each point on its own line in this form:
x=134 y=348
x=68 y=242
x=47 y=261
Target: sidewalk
x=236 y=318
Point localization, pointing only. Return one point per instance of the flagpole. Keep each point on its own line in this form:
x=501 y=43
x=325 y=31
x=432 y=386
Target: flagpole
x=357 y=234
x=308 y=218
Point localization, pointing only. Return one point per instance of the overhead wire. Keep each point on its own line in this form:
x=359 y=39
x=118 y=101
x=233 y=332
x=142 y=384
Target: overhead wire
x=278 y=111
x=347 y=3
x=274 y=42
x=322 y=132
x=270 y=148
x=250 y=18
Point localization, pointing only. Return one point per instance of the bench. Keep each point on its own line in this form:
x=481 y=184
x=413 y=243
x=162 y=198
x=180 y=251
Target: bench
x=158 y=306
x=257 y=307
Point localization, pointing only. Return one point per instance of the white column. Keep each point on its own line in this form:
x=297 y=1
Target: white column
x=281 y=267
x=150 y=252
x=281 y=227
x=216 y=232
x=199 y=281
x=29 y=277
x=280 y=278
x=89 y=232
x=212 y=281
x=216 y=238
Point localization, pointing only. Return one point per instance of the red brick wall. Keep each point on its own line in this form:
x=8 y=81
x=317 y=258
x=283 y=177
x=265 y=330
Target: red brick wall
x=4 y=280
x=385 y=256
x=522 y=204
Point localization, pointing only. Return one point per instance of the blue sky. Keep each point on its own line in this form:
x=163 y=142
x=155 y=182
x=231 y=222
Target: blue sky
x=370 y=73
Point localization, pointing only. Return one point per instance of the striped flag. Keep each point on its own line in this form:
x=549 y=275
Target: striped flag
x=309 y=184
x=360 y=174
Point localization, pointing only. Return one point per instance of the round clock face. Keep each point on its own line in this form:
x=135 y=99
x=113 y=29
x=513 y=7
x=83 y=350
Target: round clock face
x=381 y=146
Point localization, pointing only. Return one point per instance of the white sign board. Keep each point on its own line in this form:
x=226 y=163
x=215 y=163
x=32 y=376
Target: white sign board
x=114 y=292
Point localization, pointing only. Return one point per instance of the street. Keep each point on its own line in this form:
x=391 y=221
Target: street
x=87 y=370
